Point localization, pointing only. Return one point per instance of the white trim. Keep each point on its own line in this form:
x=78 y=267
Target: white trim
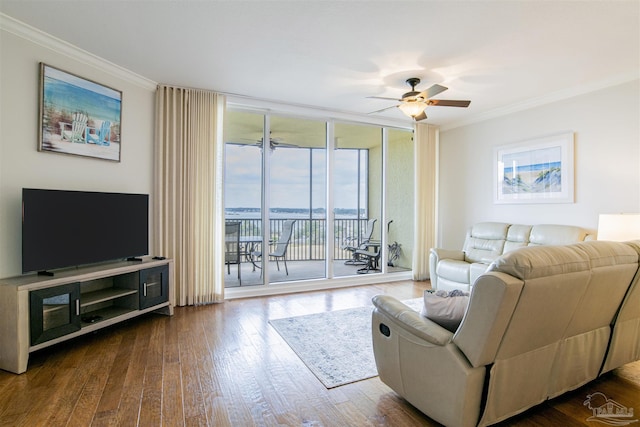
x=543 y=100
x=39 y=37
x=329 y=196
x=384 y=225
x=436 y=215
x=313 y=285
x=265 y=193
x=264 y=106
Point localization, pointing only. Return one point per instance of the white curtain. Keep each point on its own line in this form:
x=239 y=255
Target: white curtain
x=188 y=197
x=426 y=196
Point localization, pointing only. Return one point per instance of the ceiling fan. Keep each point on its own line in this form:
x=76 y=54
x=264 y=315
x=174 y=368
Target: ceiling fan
x=414 y=103
x=273 y=143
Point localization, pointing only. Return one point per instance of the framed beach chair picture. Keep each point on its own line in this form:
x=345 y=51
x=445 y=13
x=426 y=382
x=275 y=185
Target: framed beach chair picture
x=78 y=116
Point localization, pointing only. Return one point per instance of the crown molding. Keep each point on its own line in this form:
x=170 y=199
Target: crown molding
x=39 y=37
x=560 y=95
x=249 y=103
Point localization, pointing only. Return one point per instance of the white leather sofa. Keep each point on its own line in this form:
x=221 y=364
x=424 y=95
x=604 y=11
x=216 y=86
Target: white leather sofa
x=486 y=241
x=542 y=321
x=625 y=337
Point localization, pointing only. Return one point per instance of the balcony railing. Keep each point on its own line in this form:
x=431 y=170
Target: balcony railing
x=308 y=238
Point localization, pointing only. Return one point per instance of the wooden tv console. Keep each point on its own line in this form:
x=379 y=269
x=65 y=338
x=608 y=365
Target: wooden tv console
x=40 y=311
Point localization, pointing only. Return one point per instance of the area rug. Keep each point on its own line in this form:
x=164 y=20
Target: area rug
x=335 y=345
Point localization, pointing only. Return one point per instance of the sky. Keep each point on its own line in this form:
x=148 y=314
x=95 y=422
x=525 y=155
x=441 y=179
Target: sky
x=54 y=73
x=289 y=177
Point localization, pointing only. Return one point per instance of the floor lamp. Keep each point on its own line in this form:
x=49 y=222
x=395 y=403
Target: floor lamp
x=619 y=227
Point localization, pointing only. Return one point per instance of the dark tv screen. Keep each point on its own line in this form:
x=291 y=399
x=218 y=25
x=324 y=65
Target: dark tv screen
x=70 y=228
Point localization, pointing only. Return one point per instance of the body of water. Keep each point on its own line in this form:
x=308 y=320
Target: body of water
x=63 y=96
x=282 y=213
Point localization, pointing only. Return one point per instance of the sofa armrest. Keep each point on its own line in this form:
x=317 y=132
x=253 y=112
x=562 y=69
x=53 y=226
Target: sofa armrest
x=441 y=254
x=411 y=321
x=435 y=256
x=418 y=360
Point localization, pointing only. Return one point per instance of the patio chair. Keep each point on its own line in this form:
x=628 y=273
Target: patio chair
x=354 y=244
x=102 y=135
x=78 y=128
x=371 y=257
x=370 y=253
x=232 y=246
x=281 y=245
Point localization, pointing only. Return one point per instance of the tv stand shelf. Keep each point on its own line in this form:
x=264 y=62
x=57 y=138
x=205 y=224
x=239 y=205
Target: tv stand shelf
x=96 y=297
x=77 y=301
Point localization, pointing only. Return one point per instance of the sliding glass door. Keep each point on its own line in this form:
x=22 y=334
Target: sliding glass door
x=243 y=184
x=357 y=196
x=297 y=199
x=275 y=189
x=399 y=200
x=287 y=221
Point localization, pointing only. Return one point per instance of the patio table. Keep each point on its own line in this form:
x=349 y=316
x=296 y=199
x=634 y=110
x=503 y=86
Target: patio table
x=250 y=243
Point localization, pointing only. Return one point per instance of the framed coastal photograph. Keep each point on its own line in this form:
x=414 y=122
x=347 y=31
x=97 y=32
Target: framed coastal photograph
x=535 y=171
x=78 y=116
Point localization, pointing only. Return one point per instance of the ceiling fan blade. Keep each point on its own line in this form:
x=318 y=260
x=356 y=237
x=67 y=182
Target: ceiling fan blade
x=383 y=97
x=275 y=143
x=433 y=91
x=448 y=103
x=242 y=144
x=384 y=109
x=420 y=116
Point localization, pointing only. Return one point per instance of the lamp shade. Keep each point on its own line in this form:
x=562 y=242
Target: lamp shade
x=412 y=108
x=619 y=227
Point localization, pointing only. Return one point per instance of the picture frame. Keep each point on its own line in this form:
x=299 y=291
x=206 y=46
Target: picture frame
x=539 y=170
x=78 y=116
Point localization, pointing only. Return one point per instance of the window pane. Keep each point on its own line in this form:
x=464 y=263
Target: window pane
x=400 y=199
x=243 y=196
x=357 y=195
x=297 y=193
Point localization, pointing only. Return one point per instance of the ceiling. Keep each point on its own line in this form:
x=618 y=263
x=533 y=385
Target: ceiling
x=501 y=55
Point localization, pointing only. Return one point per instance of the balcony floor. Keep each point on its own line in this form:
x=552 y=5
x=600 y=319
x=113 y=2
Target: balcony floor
x=298 y=270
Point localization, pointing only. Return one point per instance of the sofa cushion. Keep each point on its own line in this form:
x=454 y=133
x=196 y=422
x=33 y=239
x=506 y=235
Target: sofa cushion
x=550 y=234
x=533 y=262
x=445 y=308
x=454 y=270
x=484 y=251
x=517 y=237
x=485 y=241
x=490 y=230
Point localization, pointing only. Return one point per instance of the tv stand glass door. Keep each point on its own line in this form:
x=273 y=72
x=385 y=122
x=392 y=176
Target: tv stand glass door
x=54 y=312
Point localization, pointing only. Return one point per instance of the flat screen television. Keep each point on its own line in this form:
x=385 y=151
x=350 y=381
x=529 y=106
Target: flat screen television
x=70 y=228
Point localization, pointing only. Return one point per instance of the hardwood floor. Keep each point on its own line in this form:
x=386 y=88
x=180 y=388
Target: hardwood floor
x=223 y=365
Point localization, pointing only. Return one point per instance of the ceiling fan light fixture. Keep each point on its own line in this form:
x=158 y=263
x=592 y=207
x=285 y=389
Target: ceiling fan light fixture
x=412 y=108
x=414 y=103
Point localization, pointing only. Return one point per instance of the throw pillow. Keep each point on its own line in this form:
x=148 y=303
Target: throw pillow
x=445 y=308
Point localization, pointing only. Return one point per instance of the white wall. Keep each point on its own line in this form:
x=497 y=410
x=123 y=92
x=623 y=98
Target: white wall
x=22 y=165
x=606 y=125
